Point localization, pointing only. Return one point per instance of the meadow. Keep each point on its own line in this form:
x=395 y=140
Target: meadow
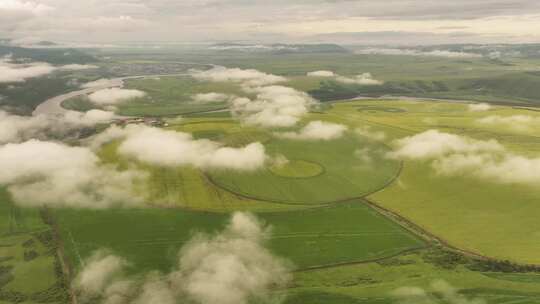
x=151 y=238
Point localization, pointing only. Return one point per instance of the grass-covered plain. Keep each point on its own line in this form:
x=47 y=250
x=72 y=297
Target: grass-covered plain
x=151 y=238
x=28 y=258
x=343 y=174
x=479 y=215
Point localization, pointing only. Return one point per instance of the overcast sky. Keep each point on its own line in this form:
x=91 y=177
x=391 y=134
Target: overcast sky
x=346 y=21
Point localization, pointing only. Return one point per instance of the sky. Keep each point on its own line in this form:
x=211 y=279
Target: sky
x=341 y=21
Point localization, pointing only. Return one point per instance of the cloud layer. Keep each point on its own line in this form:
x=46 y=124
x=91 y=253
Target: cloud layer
x=114 y=96
x=38 y=173
x=273 y=105
x=520 y=123
x=14 y=128
x=248 y=77
x=20 y=72
x=479 y=107
x=232 y=267
x=210 y=97
x=316 y=130
x=361 y=79
x=439 y=292
x=454 y=155
x=170 y=148
x=413 y=52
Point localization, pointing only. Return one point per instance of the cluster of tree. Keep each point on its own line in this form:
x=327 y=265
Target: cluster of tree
x=451 y=259
x=330 y=90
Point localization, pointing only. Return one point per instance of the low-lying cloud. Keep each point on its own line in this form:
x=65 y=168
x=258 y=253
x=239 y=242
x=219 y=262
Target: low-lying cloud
x=322 y=73
x=210 y=97
x=114 y=96
x=361 y=79
x=273 y=106
x=479 y=107
x=455 y=155
x=20 y=72
x=40 y=173
x=316 y=130
x=14 y=128
x=520 y=123
x=170 y=148
x=368 y=132
x=413 y=52
x=439 y=292
x=232 y=267
x=248 y=77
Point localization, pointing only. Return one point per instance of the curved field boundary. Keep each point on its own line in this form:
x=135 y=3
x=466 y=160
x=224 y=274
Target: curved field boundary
x=363 y=196
x=319 y=267
x=321 y=171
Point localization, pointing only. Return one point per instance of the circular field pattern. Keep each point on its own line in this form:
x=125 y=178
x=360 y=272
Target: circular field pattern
x=344 y=174
x=297 y=169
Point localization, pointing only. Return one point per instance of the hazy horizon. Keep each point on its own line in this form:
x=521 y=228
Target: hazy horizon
x=413 y=22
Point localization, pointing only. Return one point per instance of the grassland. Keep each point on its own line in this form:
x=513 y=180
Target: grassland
x=343 y=175
x=29 y=269
x=469 y=213
x=345 y=252
x=150 y=238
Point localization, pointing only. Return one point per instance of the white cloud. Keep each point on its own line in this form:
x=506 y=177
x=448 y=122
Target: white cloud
x=413 y=52
x=78 y=67
x=434 y=144
x=232 y=267
x=38 y=173
x=10 y=72
x=321 y=73
x=366 y=131
x=479 y=107
x=316 y=130
x=13 y=72
x=14 y=128
x=362 y=79
x=454 y=155
x=446 y=293
x=21 y=8
x=122 y=23
x=170 y=148
x=99 y=271
x=522 y=123
x=97 y=83
x=210 y=97
x=248 y=77
x=114 y=96
x=274 y=106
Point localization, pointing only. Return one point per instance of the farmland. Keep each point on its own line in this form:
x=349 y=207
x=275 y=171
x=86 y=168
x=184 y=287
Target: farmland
x=355 y=221
x=370 y=254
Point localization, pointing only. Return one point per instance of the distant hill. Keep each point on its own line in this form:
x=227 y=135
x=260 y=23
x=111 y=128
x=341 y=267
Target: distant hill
x=52 y=56
x=279 y=48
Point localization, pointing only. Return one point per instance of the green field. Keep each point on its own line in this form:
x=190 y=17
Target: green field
x=28 y=261
x=469 y=213
x=150 y=238
x=342 y=175
x=355 y=223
